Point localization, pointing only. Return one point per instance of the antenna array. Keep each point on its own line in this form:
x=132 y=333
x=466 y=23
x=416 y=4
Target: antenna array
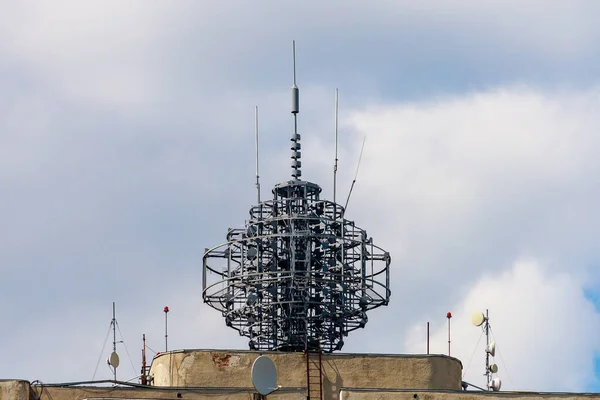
x=299 y=276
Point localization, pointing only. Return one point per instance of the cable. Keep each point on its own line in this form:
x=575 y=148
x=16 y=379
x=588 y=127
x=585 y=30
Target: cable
x=150 y=348
x=473 y=354
x=124 y=345
x=355 y=175
x=102 y=352
x=502 y=359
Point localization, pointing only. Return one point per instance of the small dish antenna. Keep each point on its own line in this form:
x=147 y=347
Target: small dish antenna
x=113 y=360
x=478 y=318
x=493 y=368
x=264 y=375
x=496 y=384
x=491 y=348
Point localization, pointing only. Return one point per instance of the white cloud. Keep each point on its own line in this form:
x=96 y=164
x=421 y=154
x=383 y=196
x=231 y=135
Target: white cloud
x=544 y=327
x=126 y=143
x=458 y=189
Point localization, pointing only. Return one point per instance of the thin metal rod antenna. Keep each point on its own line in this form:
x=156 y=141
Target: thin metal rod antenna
x=335 y=163
x=294 y=50
x=114 y=326
x=487 y=346
x=295 y=109
x=256 y=145
x=356 y=175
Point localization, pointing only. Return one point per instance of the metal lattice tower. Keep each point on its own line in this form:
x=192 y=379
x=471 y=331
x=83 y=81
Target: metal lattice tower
x=299 y=276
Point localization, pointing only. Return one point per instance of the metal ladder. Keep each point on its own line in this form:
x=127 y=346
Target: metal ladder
x=314 y=376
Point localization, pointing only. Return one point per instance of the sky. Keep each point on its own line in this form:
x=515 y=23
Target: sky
x=127 y=147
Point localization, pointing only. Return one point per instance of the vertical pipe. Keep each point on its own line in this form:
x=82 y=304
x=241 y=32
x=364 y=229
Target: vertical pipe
x=428 y=337
x=114 y=325
x=256 y=145
x=166 y=310
x=449 y=315
x=144 y=380
x=487 y=346
x=335 y=163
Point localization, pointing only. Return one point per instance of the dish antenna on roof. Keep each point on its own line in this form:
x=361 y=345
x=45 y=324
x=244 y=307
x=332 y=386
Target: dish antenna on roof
x=264 y=375
x=478 y=318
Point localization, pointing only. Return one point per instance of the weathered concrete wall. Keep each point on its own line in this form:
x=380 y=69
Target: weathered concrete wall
x=213 y=368
x=81 y=393
x=14 y=390
x=20 y=390
x=349 y=394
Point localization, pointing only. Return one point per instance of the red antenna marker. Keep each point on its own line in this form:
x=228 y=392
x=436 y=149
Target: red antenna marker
x=166 y=310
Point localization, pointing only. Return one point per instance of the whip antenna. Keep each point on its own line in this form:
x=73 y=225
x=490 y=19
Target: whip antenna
x=355 y=175
x=335 y=163
x=256 y=145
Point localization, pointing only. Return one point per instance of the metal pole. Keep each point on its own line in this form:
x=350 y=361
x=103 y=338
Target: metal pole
x=256 y=142
x=335 y=164
x=166 y=310
x=487 y=346
x=427 y=337
x=449 y=315
x=144 y=379
x=114 y=325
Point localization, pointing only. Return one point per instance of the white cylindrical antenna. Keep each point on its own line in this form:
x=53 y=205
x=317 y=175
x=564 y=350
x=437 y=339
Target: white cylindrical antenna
x=295 y=91
x=335 y=162
x=295 y=146
x=256 y=145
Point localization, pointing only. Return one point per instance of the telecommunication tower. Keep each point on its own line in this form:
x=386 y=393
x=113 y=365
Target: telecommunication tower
x=299 y=276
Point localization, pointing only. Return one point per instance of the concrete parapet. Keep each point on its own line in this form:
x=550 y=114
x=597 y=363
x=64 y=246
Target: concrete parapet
x=232 y=368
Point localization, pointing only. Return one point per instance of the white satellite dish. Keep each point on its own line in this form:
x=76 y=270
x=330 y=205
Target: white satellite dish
x=264 y=375
x=493 y=368
x=478 y=318
x=492 y=349
x=113 y=360
x=496 y=384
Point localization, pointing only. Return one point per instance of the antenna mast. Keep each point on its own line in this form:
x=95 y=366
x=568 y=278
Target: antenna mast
x=144 y=378
x=256 y=145
x=295 y=147
x=114 y=326
x=166 y=310
x=113 y=359
x=335 y=163
x=488 y=375
x=479 y=319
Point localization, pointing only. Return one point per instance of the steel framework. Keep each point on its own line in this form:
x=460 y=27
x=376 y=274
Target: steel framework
x=299 y=276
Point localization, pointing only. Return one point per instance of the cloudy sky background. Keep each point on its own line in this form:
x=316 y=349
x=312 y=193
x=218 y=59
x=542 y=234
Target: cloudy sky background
x=126 y=148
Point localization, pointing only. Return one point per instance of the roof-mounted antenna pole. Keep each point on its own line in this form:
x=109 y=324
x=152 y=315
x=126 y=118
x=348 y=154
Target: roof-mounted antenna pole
x=355 y=175
x=335 y=162
x=295 y=146
x=256 y=145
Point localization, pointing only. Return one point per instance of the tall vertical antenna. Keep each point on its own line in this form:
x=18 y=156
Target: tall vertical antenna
x=166 y=310
x=113 y=359
x=295 y=146
x=335 y=162
x=256 y=145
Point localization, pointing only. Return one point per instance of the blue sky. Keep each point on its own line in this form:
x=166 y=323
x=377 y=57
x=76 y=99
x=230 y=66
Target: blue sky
x=126 y=148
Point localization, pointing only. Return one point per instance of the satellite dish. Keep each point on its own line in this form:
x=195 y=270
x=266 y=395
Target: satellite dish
x=264 y=375
x=113 y=360
x=251 y=300
x=496 y=383
x=251 y=253
x=493 y=368
x=477 y=318
x=492 y=348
